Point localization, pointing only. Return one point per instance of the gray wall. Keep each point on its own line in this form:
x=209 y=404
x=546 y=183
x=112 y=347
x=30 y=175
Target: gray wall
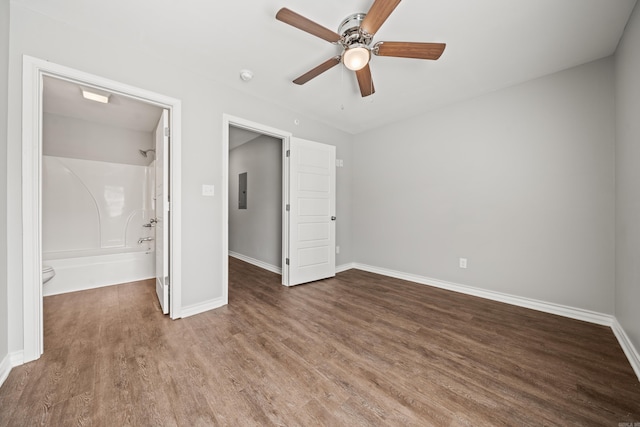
x=204 y=102
x=80 y=139
x=628 y=180
x=256 y=232
x=520 y=182
x=4 y=66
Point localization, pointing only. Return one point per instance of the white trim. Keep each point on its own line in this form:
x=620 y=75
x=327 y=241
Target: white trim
x=33 y=71
x=627 y=346
x=9 y=362
x=286 y=166
x=229 y=120
x=224 y=191
x=256 y=262
x=547 y=307
x=33 y=340
x=16 y=358
x=344 y=267
x=201 y=307
x=175 y=209
x=5 y=369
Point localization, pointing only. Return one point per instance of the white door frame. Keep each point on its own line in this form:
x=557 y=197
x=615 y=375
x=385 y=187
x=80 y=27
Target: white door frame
x=33 y=71
x=228 y=120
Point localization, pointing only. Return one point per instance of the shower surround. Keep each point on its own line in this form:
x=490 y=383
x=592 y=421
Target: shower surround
x=93 y=215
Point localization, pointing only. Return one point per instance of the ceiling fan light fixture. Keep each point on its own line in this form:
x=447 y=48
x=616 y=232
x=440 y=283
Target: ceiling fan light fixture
x=356 y=57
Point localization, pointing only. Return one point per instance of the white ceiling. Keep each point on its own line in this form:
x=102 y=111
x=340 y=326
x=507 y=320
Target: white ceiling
x=64 y=98
x=112 y=142
x=491 y=44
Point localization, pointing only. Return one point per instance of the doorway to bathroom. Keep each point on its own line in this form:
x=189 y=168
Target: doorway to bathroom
x=111 y=193
x=102 y=189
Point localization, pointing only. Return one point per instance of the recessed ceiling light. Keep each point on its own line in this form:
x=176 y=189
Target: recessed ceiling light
x=95 y=96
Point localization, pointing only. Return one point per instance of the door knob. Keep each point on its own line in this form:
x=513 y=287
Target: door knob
x=333 y=218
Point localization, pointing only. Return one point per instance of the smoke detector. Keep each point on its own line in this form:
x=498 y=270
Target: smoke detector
x=246 y=75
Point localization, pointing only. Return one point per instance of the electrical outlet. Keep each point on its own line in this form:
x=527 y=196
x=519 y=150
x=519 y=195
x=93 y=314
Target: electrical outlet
x=463 y=263
x=337 y=249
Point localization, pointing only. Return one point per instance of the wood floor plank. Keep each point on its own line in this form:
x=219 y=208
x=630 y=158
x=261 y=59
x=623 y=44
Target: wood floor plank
x=357 y=349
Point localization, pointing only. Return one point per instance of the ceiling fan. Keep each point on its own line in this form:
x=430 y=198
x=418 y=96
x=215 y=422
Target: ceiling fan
x=355 y=35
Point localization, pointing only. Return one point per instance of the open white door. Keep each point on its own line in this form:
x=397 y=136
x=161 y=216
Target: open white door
x=311 y=212
x=162 y=211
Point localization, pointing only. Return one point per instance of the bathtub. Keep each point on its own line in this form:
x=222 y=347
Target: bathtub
x=88 y=269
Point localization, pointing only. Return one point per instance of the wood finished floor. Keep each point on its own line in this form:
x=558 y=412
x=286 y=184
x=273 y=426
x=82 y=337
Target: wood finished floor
x=359 y=349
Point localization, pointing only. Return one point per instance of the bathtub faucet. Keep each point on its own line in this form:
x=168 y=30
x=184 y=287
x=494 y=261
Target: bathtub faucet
x=144 y=239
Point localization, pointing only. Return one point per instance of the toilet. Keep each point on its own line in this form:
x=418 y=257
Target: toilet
x=47 y=273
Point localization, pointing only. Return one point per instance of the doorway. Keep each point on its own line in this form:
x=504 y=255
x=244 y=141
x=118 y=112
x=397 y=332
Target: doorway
x=308 y=205
x=227 y=122
x=255 y=199
x=34 y=72
x=99 y=159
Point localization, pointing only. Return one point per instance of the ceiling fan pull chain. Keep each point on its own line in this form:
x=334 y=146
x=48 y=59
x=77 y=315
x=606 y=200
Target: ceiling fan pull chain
x=342 y=87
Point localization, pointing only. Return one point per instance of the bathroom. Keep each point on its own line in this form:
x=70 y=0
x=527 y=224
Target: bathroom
x=98 y=188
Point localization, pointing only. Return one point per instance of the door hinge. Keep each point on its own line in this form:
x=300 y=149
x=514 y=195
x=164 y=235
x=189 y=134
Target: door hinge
x=287 y=261
x=288 y=153
x=288 y=207
x=167 y=133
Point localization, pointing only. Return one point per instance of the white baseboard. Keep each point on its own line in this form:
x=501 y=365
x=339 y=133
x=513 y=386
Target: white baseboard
x=8 y=362
x=278 y=270
x=5 y=369
x=547 y=307
x=344 y=267
x=16 y=358
x=627 y=346
x=201 y=307
x=256 y=262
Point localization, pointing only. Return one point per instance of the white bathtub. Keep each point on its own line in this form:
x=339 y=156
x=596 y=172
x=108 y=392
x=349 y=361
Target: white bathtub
x=81 y=270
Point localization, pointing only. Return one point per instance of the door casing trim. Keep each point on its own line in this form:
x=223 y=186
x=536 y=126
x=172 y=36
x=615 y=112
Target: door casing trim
x=33 y=71
x=229 y=120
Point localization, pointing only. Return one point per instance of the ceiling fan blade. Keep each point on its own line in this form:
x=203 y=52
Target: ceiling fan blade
x=317 y=71
x=365 y=81
x=409 y=50
x=300 y=22
x=378 y=13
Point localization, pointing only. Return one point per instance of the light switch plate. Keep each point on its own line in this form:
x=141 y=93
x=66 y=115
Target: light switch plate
x=208 y=190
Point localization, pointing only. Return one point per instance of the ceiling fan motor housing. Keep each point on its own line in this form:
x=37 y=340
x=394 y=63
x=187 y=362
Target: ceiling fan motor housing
x=351 y=33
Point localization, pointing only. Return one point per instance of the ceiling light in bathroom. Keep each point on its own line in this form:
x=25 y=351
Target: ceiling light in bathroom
x=96 y=96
